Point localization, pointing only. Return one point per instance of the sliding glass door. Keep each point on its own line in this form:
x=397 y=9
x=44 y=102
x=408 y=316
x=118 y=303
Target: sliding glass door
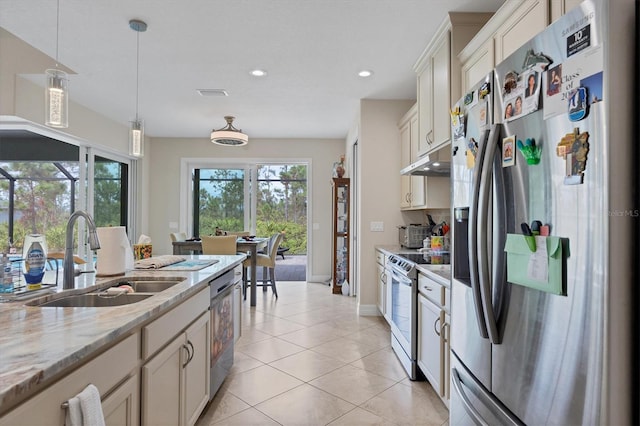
x=224 y=197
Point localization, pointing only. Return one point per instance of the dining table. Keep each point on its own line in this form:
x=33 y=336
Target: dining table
x=249 y=246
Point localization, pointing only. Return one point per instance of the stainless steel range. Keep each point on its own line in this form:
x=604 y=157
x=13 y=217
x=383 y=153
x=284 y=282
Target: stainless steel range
x=404 y=313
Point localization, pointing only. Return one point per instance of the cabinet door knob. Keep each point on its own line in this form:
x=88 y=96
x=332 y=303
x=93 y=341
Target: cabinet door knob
x=435 y=326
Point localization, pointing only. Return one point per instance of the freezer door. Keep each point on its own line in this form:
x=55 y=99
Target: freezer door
x=471 y=403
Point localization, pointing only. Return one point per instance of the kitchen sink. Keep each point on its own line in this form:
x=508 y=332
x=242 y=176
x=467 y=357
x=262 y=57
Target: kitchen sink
x=147 y=286
x=142 y=289
x=94 y=300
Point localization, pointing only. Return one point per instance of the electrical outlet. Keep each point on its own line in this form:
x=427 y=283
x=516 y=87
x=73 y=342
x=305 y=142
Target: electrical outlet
x=377 y=226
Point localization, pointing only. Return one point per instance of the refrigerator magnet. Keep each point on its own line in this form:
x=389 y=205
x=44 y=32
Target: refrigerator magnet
x=510 y=81
x=508 y=151
x=578 y=105
x=574 y=148
x=530 y=150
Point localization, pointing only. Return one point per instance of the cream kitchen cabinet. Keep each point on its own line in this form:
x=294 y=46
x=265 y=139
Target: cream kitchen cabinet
x=381 y=260
x=122 y=407
x=438 y=77
x=175 y=380
x=433 y=334
x=114 y=373
x=511 y=26
x=412 y=193
x=430 y=355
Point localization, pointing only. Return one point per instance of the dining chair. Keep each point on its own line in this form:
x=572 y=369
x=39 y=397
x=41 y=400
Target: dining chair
x=238 y=233
x=219 y=244
x=268 y=263
x=178 y=236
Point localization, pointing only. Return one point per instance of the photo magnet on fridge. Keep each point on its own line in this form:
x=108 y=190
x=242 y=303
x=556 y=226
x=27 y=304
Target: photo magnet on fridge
x=508 y=151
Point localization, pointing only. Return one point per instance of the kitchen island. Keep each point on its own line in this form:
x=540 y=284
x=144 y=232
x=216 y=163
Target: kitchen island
x=40 y=346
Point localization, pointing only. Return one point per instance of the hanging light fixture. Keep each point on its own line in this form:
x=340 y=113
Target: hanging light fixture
x=229 y=135
x=136 y=131
x=56 y=95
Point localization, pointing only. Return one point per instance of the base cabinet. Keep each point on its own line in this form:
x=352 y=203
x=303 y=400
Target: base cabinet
x=122 y=407
x=114 y=373
x=434 y=301
x=429 y=347
x=175 y=382
x=381 y=260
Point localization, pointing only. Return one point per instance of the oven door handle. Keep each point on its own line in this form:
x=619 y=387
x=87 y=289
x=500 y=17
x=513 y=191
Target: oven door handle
x=402 y=279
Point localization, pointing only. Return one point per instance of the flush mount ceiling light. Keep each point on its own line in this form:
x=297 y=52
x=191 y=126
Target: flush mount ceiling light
x=136 y=131
x=229 y=135
x=365 y=73
x=56 y=94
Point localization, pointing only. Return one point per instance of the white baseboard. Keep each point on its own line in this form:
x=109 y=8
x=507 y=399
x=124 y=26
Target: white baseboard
x=322 y=279
x=368 y=311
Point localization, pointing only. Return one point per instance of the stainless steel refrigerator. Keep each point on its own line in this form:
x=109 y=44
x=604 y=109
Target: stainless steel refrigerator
x=542 y=334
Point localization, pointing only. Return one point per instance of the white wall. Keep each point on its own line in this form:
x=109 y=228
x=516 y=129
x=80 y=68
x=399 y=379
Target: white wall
x=165 y=155
x=379 y=188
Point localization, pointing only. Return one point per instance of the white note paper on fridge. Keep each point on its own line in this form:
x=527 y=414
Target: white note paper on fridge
x=538 y=268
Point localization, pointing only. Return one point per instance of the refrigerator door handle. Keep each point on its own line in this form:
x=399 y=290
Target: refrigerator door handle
x=468 y=406
x=473 y=234
x=484 y=199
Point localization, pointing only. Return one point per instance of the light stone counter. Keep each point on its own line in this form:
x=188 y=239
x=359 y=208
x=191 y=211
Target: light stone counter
x=38 y=344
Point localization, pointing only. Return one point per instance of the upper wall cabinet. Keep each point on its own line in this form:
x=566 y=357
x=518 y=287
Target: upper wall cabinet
x=438 y=77
x=513 y=24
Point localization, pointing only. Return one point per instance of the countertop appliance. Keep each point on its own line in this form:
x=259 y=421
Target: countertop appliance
x=411 y=236
x=521 y=355
x=403 y=278
x=222 y=329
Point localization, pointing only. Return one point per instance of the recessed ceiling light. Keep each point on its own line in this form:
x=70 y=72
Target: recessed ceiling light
x=365 y=73
x=212 y=92
x=258 y=73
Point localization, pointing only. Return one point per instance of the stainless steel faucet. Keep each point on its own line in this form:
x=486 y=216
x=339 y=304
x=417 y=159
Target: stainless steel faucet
x=69 y=268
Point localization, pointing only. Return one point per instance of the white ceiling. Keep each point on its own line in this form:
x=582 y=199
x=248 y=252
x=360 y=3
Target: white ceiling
x=311 y=49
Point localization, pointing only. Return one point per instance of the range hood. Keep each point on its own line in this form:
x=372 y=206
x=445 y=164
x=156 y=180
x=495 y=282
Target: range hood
x=436 y=163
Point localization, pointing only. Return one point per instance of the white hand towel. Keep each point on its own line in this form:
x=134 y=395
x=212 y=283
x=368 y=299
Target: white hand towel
x=85 y=409
x=74 y=413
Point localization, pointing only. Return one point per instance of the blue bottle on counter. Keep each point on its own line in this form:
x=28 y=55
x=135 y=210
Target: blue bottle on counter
x=35 y=258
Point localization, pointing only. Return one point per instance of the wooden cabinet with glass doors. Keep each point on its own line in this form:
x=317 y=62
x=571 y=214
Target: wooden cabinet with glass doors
x=340 y=240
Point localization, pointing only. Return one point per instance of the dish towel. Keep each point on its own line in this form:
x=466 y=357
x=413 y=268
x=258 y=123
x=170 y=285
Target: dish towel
x=158 y=261
x=85 y=409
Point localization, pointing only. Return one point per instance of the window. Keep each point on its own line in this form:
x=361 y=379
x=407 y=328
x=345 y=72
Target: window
x=44 y=180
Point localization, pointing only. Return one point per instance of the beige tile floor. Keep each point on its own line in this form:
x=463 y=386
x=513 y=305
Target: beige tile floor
x=307 y=358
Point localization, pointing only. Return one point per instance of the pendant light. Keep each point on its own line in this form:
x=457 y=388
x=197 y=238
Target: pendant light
x=136 y=131
x=229 y=135
x=56 y=96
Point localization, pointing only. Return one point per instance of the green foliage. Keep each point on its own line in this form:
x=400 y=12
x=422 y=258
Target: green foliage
x=42 y=203
x=281 y=202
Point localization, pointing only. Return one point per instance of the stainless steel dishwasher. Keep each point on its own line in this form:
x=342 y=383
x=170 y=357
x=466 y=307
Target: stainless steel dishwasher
x=222 y=340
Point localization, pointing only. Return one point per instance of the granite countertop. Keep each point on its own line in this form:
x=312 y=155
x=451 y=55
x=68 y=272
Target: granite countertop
x=38 y=343
x=440 y=273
